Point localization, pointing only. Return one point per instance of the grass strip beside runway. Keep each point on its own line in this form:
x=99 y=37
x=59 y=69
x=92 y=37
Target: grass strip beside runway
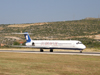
x=44 y=64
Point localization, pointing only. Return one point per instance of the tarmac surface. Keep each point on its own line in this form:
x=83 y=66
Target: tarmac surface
x=55 y=52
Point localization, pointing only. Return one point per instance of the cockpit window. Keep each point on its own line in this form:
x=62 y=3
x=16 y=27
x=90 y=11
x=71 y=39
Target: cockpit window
x=79 y=43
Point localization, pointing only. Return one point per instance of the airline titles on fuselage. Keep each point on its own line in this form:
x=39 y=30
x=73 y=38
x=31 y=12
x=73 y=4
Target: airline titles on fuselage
x=50 y=43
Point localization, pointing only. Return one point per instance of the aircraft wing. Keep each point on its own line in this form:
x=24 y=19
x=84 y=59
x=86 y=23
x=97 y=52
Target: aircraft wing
x=33 y=46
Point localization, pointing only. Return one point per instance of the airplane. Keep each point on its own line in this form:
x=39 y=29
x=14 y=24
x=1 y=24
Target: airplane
x=53 y=44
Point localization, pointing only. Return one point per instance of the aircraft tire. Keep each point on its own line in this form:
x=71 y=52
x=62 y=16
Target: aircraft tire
x=41 y=50
x=51 y=50
x=80 y=51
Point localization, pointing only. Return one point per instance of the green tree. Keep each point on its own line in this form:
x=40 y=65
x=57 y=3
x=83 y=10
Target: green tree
x=16 y=43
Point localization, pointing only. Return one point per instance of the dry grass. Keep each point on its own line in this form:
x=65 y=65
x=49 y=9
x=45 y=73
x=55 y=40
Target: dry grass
x=26 y=25
x=92 y=50
x=1 y=28
x=44 y=64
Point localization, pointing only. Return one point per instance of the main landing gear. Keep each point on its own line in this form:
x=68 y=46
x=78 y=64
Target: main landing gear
x=80 y=51
x=51 y=50
x=41 y=50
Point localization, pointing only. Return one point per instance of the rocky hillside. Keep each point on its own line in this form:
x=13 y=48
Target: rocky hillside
x=86 y=28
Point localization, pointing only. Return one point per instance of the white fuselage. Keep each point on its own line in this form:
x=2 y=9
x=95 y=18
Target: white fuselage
x=57 y=44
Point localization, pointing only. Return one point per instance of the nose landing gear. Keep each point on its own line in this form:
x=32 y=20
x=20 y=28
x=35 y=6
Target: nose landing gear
x=80 y=51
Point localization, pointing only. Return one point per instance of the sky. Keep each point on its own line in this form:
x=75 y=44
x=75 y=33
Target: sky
x=34 y=11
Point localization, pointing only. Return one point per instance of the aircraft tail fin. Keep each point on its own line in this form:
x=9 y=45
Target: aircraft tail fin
x=27 y=37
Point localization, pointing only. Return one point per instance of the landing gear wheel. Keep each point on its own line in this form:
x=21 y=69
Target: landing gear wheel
x=51 y=50
x=81 y=51
x=41 y=50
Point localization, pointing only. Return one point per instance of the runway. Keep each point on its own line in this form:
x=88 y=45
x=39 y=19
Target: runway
x=55 y=52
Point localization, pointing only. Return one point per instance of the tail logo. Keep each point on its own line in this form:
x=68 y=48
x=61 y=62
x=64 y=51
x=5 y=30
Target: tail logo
x=26 y=37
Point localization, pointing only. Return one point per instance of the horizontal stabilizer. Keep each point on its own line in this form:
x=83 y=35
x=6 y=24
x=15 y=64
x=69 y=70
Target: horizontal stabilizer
x=26 y=34
x=22 y=33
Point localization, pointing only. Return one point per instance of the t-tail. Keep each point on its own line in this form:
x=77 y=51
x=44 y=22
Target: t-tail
x=27 y=37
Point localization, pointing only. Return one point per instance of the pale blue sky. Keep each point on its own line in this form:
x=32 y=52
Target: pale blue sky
x=32 y=11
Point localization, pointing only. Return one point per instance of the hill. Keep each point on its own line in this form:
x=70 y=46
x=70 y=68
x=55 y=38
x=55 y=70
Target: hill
x=78 y=29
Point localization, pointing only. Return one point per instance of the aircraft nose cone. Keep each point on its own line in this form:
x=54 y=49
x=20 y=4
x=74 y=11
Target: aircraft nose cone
x=84 y=46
